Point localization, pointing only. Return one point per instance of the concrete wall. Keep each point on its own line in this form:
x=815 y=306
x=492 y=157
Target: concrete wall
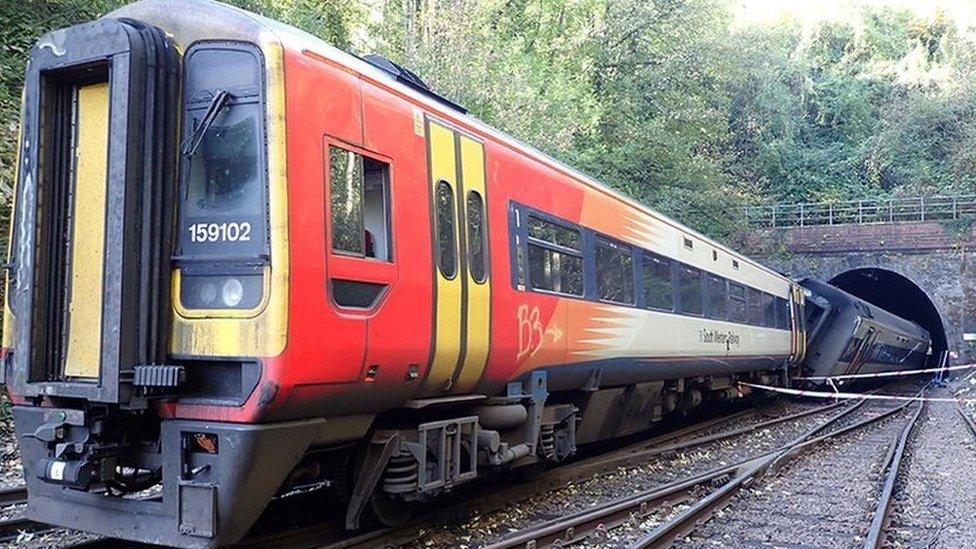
x=937 y=257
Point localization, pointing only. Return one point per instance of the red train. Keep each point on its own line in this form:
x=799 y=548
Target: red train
x=244 y=262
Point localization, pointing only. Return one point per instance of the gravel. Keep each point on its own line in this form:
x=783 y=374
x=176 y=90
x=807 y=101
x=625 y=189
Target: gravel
x=479 y=529
x=11 y=471
x=825 y=498
x=935 y=500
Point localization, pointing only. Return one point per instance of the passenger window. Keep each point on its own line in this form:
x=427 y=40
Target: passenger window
x=446 y=233
x=769 y=310
x=555 y=272
x=565 y=237
x=717 y=297
x=755 y=307
x=476 y=236
x=614 y=272
x=555 y=260
x=359 y=204
x=690 y=290
x=658 y=290
x=737 y=304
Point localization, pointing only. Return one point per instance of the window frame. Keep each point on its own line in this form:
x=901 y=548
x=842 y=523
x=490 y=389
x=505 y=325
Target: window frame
x=771 y=299
x=709 y=278
x=526 y=213
x=670 y=263
x=188 y=253
x=612 y=243
x=485 y=259
x=743 y=299
x=752 y=294
x=701 y=291
x=438 y=260
x=387 y=206
x=783 y=315
x=520 y=240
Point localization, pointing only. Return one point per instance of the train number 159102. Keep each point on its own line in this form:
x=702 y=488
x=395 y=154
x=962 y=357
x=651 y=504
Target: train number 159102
x=221 y=232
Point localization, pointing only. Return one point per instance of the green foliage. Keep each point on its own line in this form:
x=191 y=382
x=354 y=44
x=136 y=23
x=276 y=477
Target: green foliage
x=21 y=24
x=670 y=101
x=959 y=228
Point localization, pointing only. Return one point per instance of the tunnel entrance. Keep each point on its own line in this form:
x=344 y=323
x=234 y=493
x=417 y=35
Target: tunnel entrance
x=898 y=295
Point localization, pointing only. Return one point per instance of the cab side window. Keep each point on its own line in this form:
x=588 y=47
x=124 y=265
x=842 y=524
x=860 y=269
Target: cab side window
x=359 y=205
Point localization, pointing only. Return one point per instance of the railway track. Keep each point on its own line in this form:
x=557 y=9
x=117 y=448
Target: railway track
x=701 y=434
x=709 y=491
x=893 y=463
x=11 y=528
x=970 y=422
x=12 y=525
x=932 y=500
x=13 y=495
x=875 y=418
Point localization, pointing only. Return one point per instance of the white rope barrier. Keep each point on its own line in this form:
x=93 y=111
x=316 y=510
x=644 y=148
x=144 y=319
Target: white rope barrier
x=886 y=374
x=858 y=396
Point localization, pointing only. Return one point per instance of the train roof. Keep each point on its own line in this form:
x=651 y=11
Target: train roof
x=213 y=14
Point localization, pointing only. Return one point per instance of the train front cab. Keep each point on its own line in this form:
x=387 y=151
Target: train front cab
x=108 y=332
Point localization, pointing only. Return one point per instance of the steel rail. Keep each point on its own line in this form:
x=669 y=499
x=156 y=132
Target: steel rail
x=10 y=528
x=577 y=526
x=13 y=495
x=585 y=468
x=684 y=523
x=970 y=422
x=882 y=513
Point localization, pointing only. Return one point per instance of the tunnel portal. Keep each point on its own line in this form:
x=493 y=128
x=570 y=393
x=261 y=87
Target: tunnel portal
x=899 y=295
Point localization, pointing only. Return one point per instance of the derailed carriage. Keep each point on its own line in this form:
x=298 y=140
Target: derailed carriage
x=848 y=336
x=245 y=262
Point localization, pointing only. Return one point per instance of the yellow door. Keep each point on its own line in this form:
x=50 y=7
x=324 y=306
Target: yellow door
x=82 y=359
x=462 y=285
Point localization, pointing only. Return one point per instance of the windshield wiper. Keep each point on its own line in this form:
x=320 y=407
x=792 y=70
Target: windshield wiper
x=192 y=142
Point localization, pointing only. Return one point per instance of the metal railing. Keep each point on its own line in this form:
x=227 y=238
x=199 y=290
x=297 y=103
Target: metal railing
x=880 y=210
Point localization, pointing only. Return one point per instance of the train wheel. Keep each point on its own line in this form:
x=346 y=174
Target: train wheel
x=388 y=511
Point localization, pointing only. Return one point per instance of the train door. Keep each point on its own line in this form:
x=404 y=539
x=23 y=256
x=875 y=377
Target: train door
x=462 y=285
x=799 y=327
x=862 y=351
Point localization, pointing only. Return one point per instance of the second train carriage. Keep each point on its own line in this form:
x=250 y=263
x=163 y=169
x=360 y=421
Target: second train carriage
x=246 y=262
x=850 y=336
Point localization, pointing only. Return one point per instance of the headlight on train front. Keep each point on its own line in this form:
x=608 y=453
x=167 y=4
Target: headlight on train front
x=221 y=291
x=232 y=292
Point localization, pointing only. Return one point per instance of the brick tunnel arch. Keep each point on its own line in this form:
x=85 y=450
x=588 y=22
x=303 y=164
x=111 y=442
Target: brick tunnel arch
x=899 y=295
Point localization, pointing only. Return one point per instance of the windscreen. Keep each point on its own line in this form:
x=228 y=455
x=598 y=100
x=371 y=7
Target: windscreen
x=224 y=184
